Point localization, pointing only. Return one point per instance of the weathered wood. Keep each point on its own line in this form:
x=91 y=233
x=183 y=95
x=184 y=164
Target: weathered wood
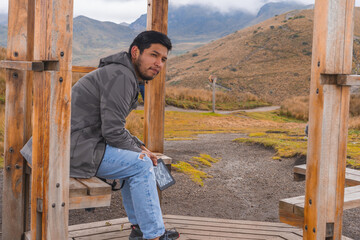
x=328 y=113
x=15 y=137
x=90 y=201
x=76 y=188
x=352 y=176
x=191 y=228
x=17 y=119
x=81 y=69
x=95 y=186
x=22 y=65
x=51 y=134
x=154 y=103
x=291 y=210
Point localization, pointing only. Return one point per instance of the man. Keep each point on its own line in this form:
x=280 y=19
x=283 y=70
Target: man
x=100 y=144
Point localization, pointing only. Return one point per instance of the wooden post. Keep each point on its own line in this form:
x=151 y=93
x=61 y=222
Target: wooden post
x=213 y=95
x=51 y=130
x=17 y=119
x=328 y=114
x=154 y=104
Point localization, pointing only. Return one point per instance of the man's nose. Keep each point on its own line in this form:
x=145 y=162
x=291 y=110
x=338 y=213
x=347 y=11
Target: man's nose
x=158 y=62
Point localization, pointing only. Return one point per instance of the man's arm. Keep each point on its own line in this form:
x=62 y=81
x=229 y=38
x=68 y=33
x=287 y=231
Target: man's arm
x=116 y=99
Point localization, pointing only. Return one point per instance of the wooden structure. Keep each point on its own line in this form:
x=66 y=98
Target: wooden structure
x=328 y=118
x=39 y=57
x=320 y=212
x=190 y=228
x=352 y=176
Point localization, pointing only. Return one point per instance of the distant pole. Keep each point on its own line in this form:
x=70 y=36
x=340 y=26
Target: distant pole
x=212 y=80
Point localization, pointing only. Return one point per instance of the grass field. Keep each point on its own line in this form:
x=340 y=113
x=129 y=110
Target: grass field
x=270 y=129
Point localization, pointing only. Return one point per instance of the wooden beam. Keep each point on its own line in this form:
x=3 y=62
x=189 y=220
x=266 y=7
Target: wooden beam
x=22 y=65
x=17 y=119
x=328 y=114
x=81 y=69
x=154 y=104
x=340 y=79
x=51 y=133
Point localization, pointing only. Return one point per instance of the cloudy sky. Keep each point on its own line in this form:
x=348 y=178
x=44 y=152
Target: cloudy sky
x=129 y=10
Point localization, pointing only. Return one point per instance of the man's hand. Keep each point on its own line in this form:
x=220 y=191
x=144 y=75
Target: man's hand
x=149 y=154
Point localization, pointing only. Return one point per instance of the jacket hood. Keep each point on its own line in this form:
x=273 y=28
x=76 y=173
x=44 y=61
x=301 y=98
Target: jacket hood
x=118 y=58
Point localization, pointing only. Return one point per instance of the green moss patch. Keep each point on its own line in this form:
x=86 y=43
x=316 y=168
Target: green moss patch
x=286 y=144
x=193 y=167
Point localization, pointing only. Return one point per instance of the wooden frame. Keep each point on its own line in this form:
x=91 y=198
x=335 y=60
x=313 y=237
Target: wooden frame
x=45 y=55
x=154 y=104
x=328 y=114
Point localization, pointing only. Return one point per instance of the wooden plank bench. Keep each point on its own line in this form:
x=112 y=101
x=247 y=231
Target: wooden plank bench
x=93 y=192
x=88 y=193
x=291 y=210
x=352 y=176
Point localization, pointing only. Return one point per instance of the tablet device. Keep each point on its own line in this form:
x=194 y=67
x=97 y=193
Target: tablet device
x=164 y=179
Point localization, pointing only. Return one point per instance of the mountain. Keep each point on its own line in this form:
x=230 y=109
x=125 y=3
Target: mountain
x=94 y=39
x=190 y=27
x=271 y=59
x=3 y=35
x=3 y=18
x=269 y=10
x=194 y=21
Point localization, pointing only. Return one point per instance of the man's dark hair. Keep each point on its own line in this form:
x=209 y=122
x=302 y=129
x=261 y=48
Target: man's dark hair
x=146 y=38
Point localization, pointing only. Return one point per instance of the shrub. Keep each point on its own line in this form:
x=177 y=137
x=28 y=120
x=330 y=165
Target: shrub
x=202 y=60
x=195 y=54
x=297 y=107
x=355 y=105
x=272 y=27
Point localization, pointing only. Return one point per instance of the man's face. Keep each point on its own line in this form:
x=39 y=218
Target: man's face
x=150 y=62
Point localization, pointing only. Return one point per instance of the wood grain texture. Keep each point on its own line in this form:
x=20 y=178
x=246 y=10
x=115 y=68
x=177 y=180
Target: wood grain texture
x=331 y=55
x=17 y=119
x=81 y=69
x=95 y=186
x=352 y=176
x=52 y=97
x=191 y=228
x=90 y=201
x=154 y=104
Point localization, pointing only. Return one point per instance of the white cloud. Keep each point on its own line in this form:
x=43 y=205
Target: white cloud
x=129 y=10
x=111 y=10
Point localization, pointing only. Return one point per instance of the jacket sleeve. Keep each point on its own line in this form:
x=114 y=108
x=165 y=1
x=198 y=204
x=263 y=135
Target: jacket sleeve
x=115 y=102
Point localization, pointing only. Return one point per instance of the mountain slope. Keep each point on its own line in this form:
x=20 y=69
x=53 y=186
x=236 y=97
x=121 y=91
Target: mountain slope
x=94 y=39
x=271 y=59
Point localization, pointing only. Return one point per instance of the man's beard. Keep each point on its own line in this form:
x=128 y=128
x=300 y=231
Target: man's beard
x=141 y=75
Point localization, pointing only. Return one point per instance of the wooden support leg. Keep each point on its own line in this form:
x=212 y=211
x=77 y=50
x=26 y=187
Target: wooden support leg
x=51 y=132
x=154 y=104
x=17 y=119
x=328 y=113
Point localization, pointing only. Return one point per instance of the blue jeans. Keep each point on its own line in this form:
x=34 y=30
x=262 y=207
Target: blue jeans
x=139 y=194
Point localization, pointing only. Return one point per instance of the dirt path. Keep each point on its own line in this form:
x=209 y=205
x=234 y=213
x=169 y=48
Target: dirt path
x=259 y=109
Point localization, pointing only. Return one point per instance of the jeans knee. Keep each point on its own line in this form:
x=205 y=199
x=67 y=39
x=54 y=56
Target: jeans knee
x=145 y=163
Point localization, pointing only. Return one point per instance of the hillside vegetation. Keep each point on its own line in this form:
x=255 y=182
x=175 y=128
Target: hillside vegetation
x=271 y=60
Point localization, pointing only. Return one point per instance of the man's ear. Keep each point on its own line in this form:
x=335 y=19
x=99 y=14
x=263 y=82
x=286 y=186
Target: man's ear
x=135 y=52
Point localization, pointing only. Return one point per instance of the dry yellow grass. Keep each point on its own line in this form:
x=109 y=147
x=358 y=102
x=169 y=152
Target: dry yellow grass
x=297 y=107
x=355 y=105
x=197 y=95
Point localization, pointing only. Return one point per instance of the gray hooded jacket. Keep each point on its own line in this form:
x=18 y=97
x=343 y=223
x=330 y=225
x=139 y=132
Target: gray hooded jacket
x=101 y=101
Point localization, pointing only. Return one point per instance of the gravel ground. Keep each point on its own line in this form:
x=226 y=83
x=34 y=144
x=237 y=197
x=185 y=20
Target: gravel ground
x=246 y=184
